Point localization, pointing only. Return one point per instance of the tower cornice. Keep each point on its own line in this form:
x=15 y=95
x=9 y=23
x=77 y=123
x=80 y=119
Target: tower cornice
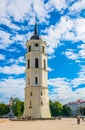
x=29 y=53
x=37 y=69
x=35 y=41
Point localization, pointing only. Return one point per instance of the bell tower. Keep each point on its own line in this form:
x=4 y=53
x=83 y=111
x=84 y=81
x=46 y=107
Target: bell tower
x=36 y=90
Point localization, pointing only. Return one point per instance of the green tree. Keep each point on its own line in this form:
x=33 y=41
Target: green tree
x=82 y=110
x=66 y=110
x=56 y=108
x=52 y=110
x=4 y=109
x=18 y=107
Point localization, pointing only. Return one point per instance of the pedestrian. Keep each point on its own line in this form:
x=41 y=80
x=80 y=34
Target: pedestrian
x=78 y=119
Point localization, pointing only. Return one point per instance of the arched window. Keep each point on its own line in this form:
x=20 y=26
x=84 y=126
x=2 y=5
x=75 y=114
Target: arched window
x=30 y=103
x=36 y=63
x=41 y=93
x=28 y=63
x=31 y=94
x=44 y=64
x=29 y=48
x=36 y=80
x=41 y=103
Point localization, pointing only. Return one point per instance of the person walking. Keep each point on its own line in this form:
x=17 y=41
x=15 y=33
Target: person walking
x=78 y=119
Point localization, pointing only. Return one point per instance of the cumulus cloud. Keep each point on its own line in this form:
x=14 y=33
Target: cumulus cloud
x=76 y=56
x=82 y=71
x=18 y=61
x=67 y=29
x=13 y=69
x=11 y=87
x=8 y=22
x=61 y=89
x=70 y=54
x=19 y=12
x=77 y=6
x=56 y=4
x=4 y=39
x=14 y=8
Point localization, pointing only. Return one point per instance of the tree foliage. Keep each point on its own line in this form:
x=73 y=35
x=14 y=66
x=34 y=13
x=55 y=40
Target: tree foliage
x=4 y=109
x=18 y=107
x=56 y=108
x=66 y=110
x=82 y=110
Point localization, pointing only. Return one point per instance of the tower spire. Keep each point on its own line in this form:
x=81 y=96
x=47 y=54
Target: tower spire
x=36 y=27
x=35 y=36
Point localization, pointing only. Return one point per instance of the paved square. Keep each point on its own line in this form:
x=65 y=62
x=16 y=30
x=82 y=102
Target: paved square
x=63 y=124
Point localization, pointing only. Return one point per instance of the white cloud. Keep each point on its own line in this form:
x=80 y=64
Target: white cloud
x=3 y=8
x=2 y=57
x=66 y=29
x=81 y=77
x=21 y=38
x=8 y=23
x=11 y=61
x=77 y=6
x=50 y=69
x=12 y=88
x=51 y=56
x=77 y=56
x=20 y=59
x=40 y=10
x=70 y=54
x=15 y=8
x=82 y=51
x=78 y=81
x=58 y=32
x=82 y=71
x=14 y=49
x=56 y=4
x=79 y=29
x=13 y=69
x=82 y=46
x=61 y=90
x=23 y=9
x=4 y=39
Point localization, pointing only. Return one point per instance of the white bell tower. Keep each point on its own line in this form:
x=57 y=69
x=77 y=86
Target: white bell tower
x=36 y=90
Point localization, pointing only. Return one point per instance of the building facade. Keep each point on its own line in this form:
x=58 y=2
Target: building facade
x=36 y=90
x=75 y=107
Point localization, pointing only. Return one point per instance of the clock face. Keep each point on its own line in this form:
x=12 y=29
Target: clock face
x=36 y=44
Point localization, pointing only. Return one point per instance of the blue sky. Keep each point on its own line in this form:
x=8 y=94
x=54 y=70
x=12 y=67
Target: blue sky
x=61 y=23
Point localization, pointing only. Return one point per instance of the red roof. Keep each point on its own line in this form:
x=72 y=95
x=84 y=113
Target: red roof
x=78 y=101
